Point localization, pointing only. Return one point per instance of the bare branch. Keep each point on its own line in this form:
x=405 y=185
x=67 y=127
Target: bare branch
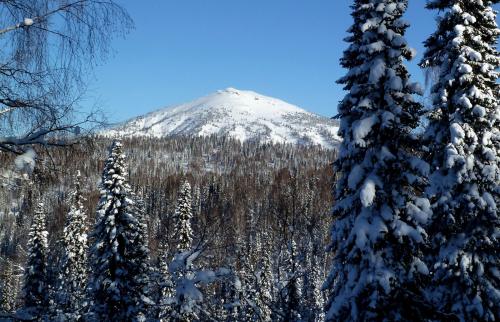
x=45 y=65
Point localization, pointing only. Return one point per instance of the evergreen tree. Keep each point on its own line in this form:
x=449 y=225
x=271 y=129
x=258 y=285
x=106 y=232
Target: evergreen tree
x=36 y=288
x=292 y=291
x=464 y=143
x=7 y=301
x=197 y=201
x=185 y=302
x=74 y=267
x=378 y=232
x=119 y=254
x=266 y=281
x=251 y=306
x=248 y=310
x=312 y=285
x=183 y=216
x=166 y=291
x=317 y=301
x=233 y=290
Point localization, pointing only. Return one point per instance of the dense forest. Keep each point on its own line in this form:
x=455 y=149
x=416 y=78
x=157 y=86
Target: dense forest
x=399 y=223
x=245 y=200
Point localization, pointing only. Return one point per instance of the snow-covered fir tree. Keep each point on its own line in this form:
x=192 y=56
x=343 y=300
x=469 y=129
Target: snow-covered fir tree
x=183 y=234
x=185 y=302
x=463 y=138
x=119 y=253
x=251 y=306
x=36 y=288
x=248 y=310
x=291 y=291
x=233 y=291
x=197 y=201
x=313 y=281
x=73 y=272
x=7 y=301
x=317 y=300
x=378 y=229
x=166 y=291
x=265 y=281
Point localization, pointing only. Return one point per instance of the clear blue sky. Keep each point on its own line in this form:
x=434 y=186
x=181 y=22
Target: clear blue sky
x=183 y=49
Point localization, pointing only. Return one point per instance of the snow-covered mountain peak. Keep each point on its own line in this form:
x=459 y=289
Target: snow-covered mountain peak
x=244 y=115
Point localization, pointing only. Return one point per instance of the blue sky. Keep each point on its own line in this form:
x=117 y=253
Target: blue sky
x=181 y=50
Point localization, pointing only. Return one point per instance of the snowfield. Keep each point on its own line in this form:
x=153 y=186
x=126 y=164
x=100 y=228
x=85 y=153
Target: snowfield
x=243 y=115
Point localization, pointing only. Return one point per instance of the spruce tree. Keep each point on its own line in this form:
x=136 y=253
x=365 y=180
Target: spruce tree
x=185 y=302
x=166 y=291
x=36 y=288
x=183 y=216
x=262 y=289
x=312 y=285
x=317 y=301
x=464 y=142
x=378 y=233
x=266 y=299
x=292 y=291
x=119 y=253
x=74 y=267
x=7 y=301
x=248 y=308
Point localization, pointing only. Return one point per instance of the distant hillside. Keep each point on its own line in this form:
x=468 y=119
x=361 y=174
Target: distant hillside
x=243 y=115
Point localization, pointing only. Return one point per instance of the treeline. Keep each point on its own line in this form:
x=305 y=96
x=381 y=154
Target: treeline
x=225 y=231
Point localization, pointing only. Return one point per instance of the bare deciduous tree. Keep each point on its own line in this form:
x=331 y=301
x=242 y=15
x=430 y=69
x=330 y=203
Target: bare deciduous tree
x=48 y=48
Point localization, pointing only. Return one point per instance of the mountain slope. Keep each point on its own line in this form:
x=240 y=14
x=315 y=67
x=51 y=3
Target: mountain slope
x=243 y=115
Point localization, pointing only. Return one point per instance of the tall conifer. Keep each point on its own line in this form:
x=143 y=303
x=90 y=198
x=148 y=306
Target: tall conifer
x=378 y=231
x=74 y=268
x=119 y=253
x=36 y=289
x=464 y=142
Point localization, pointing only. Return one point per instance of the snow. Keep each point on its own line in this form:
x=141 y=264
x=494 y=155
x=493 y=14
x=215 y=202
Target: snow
x=375 y=47
x=367 y=194
x=390 y=8
x=457 y=133
x=479 y=111
x=26 y=161
x=395 y=83
x=465 y=69
x=465 y=102
x=378 y=70
x=362 y=128
x=243 y=115
x=475 y=92
x=28 y=22
x=420 y=211
x=474 y=55
x=420 y=266
x=403 y=229
x=459 y=29
x=490 y=201
x=355 y=176
x=420 y=165
x=370 y=24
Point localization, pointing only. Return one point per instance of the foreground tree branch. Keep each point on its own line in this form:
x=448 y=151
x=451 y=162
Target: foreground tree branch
x=49 y=50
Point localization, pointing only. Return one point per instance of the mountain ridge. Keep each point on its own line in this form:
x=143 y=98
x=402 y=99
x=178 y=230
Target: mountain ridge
x=243 y=115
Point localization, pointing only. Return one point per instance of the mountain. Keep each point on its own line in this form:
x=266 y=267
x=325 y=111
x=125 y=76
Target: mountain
x=244 y=115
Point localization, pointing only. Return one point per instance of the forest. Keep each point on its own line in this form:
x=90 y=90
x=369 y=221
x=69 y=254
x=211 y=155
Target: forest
x=400 y=222
x=238 y=225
